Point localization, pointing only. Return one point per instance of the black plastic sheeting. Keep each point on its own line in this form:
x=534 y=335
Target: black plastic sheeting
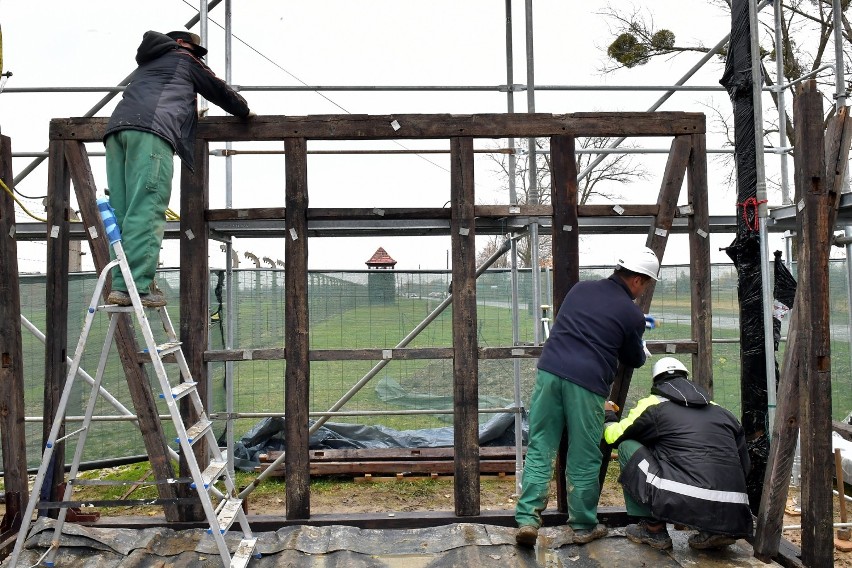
x=745 y=251
x=268 y=436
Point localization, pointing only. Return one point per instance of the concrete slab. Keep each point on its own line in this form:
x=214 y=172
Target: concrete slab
x=462 y=544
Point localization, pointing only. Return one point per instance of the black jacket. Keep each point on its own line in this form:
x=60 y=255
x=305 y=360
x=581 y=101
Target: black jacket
x=161 y=97
x=597 y=326
x=693 y=463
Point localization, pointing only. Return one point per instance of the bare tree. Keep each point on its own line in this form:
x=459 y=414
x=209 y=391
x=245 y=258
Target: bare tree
x=806 y=38
x=602 y=182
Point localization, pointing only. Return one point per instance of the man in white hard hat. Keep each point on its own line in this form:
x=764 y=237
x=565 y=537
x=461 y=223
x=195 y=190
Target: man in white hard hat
x=598 y=326
x=683 y=460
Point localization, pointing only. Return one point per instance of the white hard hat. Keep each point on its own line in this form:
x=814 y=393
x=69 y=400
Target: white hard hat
x=668 y=366
x=642 y=261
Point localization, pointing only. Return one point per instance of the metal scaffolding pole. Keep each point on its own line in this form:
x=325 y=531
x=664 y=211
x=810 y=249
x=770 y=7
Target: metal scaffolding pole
x=513 y=200
x=763 y=211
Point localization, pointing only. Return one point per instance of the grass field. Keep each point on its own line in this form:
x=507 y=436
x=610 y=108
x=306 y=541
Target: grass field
x=345 y=316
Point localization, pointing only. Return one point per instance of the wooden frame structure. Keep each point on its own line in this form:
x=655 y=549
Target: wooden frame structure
x=68 y=162
x=687 y=160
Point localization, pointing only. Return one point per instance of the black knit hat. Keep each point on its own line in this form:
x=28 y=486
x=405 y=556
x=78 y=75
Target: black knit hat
x=192 y=38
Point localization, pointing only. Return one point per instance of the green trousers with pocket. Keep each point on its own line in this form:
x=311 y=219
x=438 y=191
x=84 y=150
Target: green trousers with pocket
x=556 y=405
x=139 y=168
x=626 y=449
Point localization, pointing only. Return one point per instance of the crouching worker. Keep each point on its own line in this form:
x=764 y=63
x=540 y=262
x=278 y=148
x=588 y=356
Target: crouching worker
x=683 y=460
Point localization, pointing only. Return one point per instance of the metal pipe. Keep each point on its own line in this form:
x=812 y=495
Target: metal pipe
x=229 y=267
x=763 y=213
x=532 y=167
x=508 y=88
x=513 y=199
x=782 y=108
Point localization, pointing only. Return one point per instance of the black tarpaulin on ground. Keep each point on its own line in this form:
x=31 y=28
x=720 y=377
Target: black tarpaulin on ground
x=268 y=436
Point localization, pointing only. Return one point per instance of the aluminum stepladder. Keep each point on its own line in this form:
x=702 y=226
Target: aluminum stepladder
x=228 y=510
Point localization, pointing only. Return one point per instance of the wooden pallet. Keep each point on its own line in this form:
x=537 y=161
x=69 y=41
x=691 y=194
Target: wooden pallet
x=397 y=462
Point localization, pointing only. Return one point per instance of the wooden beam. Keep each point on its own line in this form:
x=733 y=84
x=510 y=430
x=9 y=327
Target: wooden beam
x=409 y=213
x=465 y=362
x=194 y=302
x=699 y=263
x=56 y=307
x=814 y=333
x=785 y=430
x=296 y=334
x=427 y=126
x=565 y=236
x=658 y=234
x=12 y=412
x=138 y=384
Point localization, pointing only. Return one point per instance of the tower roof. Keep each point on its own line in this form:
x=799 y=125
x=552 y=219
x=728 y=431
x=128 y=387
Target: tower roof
x=381 y=258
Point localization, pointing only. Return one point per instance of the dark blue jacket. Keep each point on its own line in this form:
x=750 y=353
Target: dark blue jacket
x=597 y=326
x=161 y=96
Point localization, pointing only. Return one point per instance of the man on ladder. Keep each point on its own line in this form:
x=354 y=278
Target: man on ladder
x=142 y=136
x=156 y=117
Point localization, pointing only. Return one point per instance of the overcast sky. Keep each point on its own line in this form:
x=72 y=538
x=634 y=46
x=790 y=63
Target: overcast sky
x=356 y=42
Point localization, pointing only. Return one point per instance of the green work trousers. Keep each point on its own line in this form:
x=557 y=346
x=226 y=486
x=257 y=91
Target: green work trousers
x=626 y=449
x=139 y=168
x=558 y=404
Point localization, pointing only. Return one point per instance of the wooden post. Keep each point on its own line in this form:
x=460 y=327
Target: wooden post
x=194 y=300
x=125 y=337
x=297 y=374
x=658 y=235
x=56 y=306
x=699 y=263
x=465 y=348
x=565 y=231
x=12 y=432
x=785 y=430
x=814 y=334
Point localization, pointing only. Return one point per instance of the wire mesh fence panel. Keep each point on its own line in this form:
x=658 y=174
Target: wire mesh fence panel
x=385 y=309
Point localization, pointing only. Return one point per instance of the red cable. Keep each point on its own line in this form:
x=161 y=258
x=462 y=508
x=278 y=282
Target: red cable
x=753 y=225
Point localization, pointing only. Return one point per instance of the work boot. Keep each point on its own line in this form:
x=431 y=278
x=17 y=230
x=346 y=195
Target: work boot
x=583 y=536
x=653 y=534
x=119 y=298
x=526 y=535
x=154 y=298
x=704 y=540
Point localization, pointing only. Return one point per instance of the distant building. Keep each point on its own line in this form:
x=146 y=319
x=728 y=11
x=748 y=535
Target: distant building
x=381 y=284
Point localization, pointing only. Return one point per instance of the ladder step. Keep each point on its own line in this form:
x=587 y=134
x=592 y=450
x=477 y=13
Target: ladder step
x=227 y=513
x=165 y=348
x=244 y=553
x=181 y=390
x=211 y=473
x=197 y=430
